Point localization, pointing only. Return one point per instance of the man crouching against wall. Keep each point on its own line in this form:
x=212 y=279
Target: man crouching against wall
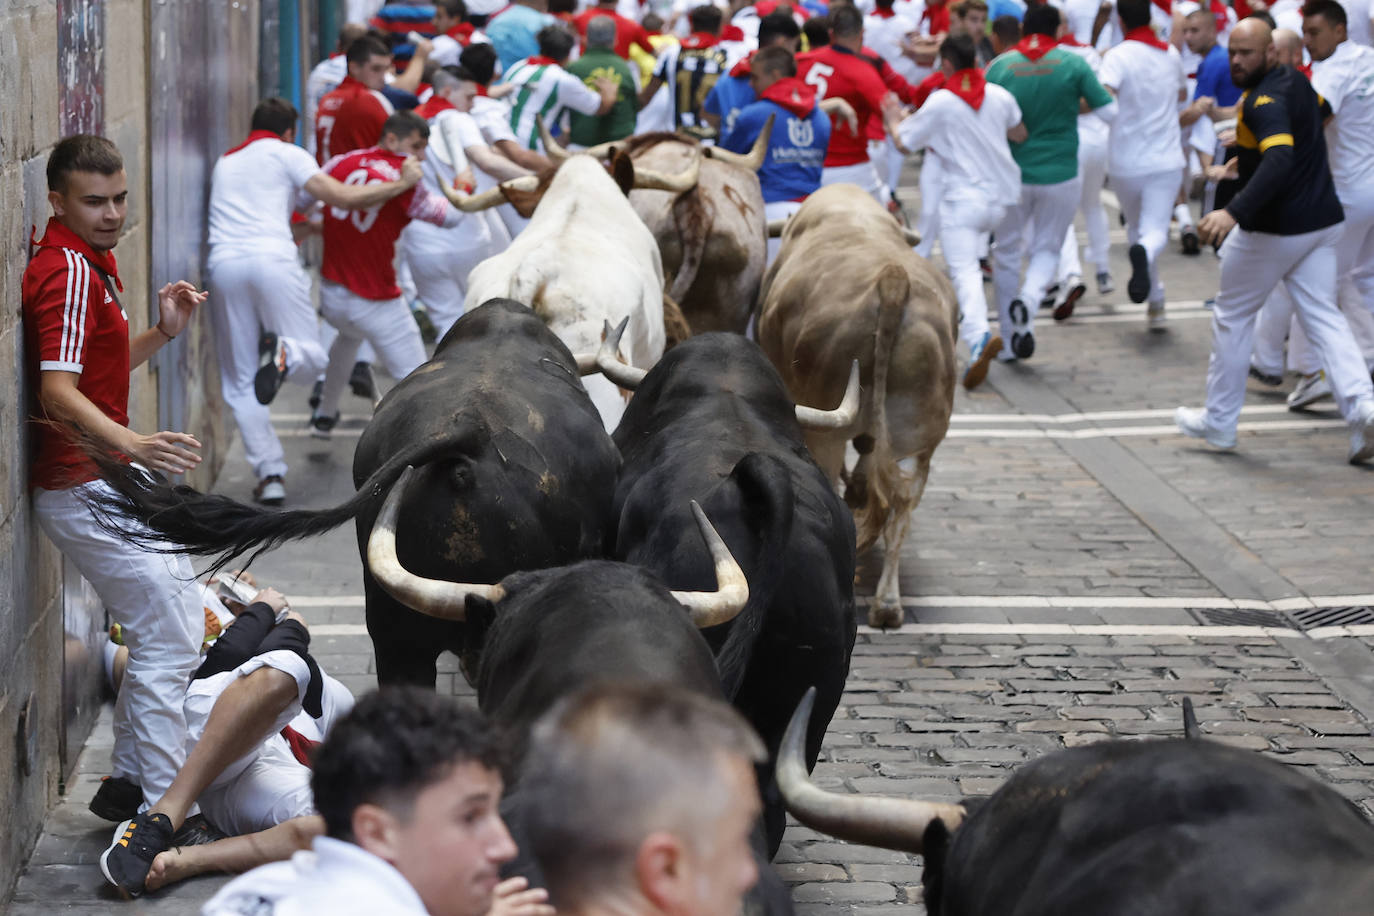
x=642 y=801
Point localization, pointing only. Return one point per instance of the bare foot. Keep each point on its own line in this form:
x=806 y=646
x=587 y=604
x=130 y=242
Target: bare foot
x=168 y=867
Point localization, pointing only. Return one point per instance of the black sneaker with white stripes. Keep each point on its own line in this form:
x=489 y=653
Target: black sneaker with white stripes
x=137 y=843
x=271 y=367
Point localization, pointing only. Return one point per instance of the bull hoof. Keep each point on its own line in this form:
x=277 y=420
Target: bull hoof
x=885 y=616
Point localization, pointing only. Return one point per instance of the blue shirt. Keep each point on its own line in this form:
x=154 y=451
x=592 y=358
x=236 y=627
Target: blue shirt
x=1006 y=8
x=1214 y=78
x=512 y=34
x=727 y=99
x=796 y=148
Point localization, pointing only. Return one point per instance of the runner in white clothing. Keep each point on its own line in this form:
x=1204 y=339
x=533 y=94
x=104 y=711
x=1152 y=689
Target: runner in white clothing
x=543 y=87
x=264 y=320
x=1093 y=133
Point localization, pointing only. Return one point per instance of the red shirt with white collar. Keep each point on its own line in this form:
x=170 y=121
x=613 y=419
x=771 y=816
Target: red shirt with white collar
x=73 y=322
x=838 y=72
x=349 y=118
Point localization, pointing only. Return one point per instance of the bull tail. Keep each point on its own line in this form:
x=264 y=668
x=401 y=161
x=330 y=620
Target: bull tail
x=868 y=482
x=765 y=488
x=1190 y=728
x=163 y=518
x=675 y=326
x=692 y=224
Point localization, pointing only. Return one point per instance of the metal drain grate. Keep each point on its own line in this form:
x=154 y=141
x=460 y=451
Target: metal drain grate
x=1241 y=617
x=1311 y=618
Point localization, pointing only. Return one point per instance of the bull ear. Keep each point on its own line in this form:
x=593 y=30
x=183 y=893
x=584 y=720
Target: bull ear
x=623 y=171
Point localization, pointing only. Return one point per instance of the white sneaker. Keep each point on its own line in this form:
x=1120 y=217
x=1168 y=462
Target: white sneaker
x=1362 y=434
x=1310 y=389
x=1192 y=421
x=1155 y=319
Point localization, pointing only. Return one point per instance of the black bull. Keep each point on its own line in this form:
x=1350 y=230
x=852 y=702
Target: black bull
x=1119 y=828
x=713 y=422
x=514 y=471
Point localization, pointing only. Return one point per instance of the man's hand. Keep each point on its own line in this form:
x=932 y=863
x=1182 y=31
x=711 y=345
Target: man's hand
x=411 y=172
x=841 y=110
x=1227 y=137
x=1215 y=226
x=423 y=48
x=165 y=451
x=272 y=598
x=175 y=302
x=512 y=898
x=1227 y=172
x=465 y=180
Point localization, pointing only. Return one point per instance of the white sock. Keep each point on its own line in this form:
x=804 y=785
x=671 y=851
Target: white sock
x=1183 y=215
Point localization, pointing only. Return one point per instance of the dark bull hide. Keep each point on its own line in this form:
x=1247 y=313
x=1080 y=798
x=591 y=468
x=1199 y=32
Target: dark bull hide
x=513 y=471
x=1118 y=828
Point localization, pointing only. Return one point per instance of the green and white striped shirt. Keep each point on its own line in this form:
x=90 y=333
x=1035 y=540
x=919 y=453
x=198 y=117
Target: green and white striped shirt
x=545 y=89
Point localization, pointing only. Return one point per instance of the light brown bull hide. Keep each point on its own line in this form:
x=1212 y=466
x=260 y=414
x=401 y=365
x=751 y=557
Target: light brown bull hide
x=847 y=286
x=712 y=238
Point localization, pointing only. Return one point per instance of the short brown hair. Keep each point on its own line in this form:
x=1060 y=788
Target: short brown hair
x=964 y=7
x=275 y=114
x=82 y=153
x=776 y=59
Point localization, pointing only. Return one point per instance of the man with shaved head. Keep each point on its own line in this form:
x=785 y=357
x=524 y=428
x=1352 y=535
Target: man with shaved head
x=1288 y=50
x=1281 y=229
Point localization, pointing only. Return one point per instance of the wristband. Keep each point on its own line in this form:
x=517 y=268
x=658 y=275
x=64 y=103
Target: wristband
x=164 y=333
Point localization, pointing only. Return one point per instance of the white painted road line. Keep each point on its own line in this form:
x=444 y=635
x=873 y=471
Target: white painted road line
x=1115 y=432
x=1103 y=415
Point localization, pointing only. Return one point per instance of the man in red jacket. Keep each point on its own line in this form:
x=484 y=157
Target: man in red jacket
x=78 y=356
x=351 y=116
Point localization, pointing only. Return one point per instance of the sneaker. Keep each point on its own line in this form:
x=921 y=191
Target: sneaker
x=1188 y=237
x=270 y=491
x=1138 y=287
x=197 y=831
x=1362 y=435
x=985 y=266
x=137 y=842
x=362 y=382
x=1018 y=314
x=1076 y=289
x=316 y=393
x=979 y=357
x=1265 y=378
x=271 y=367
x=322 y=427
x=1155 y=319
x=117 y=799
x=1023 y=344
x=1051 y=294
x=1310 y=389
x=1192 y=421
x=1104 y=283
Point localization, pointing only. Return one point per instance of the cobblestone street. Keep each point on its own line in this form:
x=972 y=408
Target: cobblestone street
x=1075 y=570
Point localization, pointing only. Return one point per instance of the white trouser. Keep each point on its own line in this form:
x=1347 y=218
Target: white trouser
x=155 y=599
x=386 y=323
x=1092 y=168
x=440 y=264
x=1147 y=202
x=251 y=293
x=863 y=174
x=1254 y=263
x=887 y=159
x=268 y=785
x=932 y=190
x=1034 y=228
x=965 y=214
x=1271 y=331
x=780 y=209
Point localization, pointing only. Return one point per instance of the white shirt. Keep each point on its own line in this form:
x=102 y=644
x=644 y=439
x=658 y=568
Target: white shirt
x=333 y=877
x=546 y=89
x=884 y=35
x=1092 y=130
x=1080 y=16
x=455 y=131
x=1145 y=137
x=448 y=49
x=493 y=119
x=252 y=194
x=324 y=79
x=1357 y=21
x=971 y=145
x=1346 y=81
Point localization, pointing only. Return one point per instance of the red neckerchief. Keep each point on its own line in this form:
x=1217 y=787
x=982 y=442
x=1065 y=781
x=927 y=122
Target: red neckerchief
x=254 y=137
x=56 y=235
x=937 y=14
x=1305 y=70
x=744 y=67
x=1072 y=42
x=1165 y=5
x=1146 y=36
x=435 y=104
x=968 y=85
x=302 y=748
x=764 y=7
x=482 y=90
x=698 y=40
x=792 y=94
x=540 y=60
x=884 y=13
x=926 y=86
x=1035 y=47
x=462 y=33
x=732 y=33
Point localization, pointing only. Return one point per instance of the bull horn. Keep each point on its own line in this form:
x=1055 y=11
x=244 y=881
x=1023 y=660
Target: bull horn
x=434 y=597
x=552 y=147
x=751 y=160
x=492 y=197
x=608 y=358
x=890 y=823
x=710 y=609
x=841 y=417
x=776 y=227
x=601 y=150
x=586 y=364
x=649 y=180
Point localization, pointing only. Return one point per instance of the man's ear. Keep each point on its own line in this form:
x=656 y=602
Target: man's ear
x=55 y=200
x=661 y=872
x=374 y=829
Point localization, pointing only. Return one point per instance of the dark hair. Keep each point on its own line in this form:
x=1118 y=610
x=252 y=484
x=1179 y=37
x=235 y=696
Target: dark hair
x=459 y=72
x=817 y=31
x=1133 y=13
x=1007 y=29
x=964 y=7
x=364 y=49
x=454 y=9
x=776 y=59
x=777 y=25
x=1330 y=10
x=959 y=51
x=705 y=18
x=350 y=33
x=846 y=21
x=555 y=41
x=403 y=123
x=275 y=114
x=391 y=746
x=1263 y=16
x=652 y=22
x=82 y=153
x=1041 y=20
x=479 y=59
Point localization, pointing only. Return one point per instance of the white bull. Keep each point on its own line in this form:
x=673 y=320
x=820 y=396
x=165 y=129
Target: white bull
x=847 y=286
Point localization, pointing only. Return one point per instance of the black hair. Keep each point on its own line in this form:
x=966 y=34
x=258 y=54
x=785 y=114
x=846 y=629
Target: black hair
x=82 y=153
x=817 y=32
x=776 y=59
x=555 y=41
x=391 y=746
x=777 y=25
x=846 y=21
x=1329 y=10
x=959 y=50
x=479 y=59
x=1263 y=16
x=705 y=18
x=459 y=72
x=1041 y=20
x=652 y=22
x=454 y=9
x=1007 y=29
x=1133 y=13
x=275 y=114
x=403 y=123
x=365 y=48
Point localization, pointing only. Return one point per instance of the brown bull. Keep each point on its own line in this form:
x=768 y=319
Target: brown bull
x=847 y=286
